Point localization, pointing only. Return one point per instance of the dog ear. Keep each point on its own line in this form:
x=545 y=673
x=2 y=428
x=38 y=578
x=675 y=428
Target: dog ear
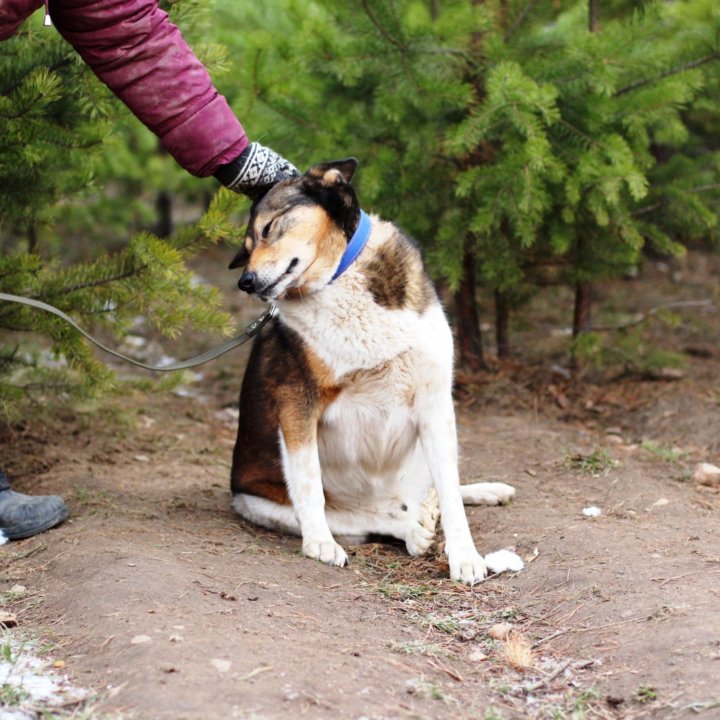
x=240 y=259
x=328 y=185
x=334 y=172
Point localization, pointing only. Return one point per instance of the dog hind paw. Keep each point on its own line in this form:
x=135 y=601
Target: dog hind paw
x=485 y=493
x=326 y=551
x=419 y=540
x=430 y=511
x=421 y=535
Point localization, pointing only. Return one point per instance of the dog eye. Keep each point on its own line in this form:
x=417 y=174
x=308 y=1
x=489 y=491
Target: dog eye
x=266 y=229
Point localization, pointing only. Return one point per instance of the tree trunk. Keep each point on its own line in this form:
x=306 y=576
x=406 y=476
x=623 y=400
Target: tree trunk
x=32 y=238
x=583 y=289
x=502 y=324
x=583 y=304
x=469 y=336
x=593 y=15
x=163 y=205
x=581 y=318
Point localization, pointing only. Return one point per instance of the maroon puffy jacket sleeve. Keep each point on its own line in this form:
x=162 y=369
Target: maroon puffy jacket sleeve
x=13 y=14
x=132 y=46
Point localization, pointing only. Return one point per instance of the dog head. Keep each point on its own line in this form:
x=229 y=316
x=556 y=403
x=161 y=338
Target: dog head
x=298 y=232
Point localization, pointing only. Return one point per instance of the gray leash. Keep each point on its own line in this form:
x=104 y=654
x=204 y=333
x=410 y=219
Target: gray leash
x=252 y=329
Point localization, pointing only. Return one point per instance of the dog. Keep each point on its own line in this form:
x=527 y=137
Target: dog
x=347 y=425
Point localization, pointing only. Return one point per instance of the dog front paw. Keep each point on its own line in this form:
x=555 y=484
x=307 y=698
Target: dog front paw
x=467 y=566
x=327 y=551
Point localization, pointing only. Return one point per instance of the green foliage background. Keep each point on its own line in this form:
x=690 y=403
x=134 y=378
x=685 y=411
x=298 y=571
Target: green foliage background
x=78 y=177
x=504 y=131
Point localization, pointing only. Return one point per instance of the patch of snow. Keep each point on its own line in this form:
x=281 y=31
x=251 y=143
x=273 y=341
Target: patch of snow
x=560 y=370
x=135 y=341
x=228 y=415
x=592 y=511
x=47 y=359
x=15 y=715
x=34 y=682
x=165 y=360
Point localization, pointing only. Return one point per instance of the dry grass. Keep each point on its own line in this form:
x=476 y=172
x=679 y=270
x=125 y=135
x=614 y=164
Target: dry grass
x=517 y=652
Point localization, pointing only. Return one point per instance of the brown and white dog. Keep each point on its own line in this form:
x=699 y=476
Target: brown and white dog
x=347 y=426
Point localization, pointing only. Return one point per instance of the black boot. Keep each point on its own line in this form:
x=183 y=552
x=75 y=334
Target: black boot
x=22 y=516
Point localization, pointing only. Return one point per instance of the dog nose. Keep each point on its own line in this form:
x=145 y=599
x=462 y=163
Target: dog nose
x=247 y=281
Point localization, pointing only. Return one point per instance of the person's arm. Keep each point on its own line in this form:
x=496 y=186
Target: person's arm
x=142 y=57
x=132 y=46
x=13 y=14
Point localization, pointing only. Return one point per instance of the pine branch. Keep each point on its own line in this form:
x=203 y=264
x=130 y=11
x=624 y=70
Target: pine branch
x=454 y=52
x=705 y=188
x=395 y=42
x=381 y=29
x=285 y=114
x=11 y=357
x=668 y=73
x=24 y=111
x=655 y=206
x=52 y=68
x=642 y=317
x=520 y=19
x=73 y=146
x=93 y=283
x=646 y=209
x=259 y=93
x=16 y=328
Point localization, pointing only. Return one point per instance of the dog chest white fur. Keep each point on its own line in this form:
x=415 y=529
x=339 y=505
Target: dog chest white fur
x=368 y=436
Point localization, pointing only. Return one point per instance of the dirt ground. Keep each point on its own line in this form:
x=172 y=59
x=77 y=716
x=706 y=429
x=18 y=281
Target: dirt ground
x=158 y=598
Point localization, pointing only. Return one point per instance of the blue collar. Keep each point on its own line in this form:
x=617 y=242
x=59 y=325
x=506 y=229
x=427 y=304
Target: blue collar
x=355 y=245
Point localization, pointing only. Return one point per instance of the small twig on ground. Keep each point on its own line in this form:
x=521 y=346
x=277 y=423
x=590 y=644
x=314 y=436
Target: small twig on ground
x=256 y=671
x=682 y=577
x=593 y=628
x=699 y=707
x=449 y=671
x=547 y=639
x=571 y=614
x=532 y=687
x=396 y=663
x=106 y=641
x=23 y=556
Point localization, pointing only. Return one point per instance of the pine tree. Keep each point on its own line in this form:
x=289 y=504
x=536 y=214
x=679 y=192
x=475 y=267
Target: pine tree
x=52 y=130
x=49 y=136
x=505 y=135
x=132 y=164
